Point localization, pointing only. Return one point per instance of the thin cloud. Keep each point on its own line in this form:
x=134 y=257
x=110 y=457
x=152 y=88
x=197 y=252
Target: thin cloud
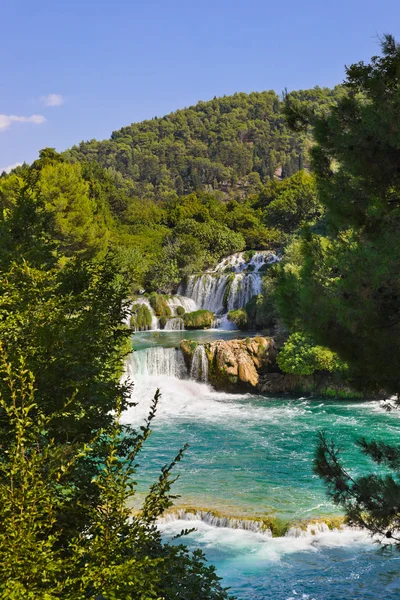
x=52 y=100
x=7 y=120
x=10 y=168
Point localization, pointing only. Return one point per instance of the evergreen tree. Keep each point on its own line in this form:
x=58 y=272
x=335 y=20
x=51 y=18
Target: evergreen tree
x=349 y=287
x=345 y=290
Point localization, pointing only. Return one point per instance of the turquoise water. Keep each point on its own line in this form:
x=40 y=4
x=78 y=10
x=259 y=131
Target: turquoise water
x=331 y=566
x=170 y=339
x=250 y=455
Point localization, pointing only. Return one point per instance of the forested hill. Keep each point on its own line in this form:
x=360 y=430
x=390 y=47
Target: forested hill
x=231 y=144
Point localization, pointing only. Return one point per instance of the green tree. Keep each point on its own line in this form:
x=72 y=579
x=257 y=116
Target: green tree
x=117 y=555
x=348 y=284
x=73 y=220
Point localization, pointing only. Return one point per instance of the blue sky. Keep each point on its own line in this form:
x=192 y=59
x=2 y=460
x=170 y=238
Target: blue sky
x=78 y=69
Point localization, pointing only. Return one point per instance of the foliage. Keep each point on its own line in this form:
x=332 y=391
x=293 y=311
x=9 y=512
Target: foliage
x=117 y=555
x=199 y=319
x=370 y=501
x=160 y=305
x=228 y=145
x=345 y=292
x=290 y=204
x=141 y=318
x=180 y=311
x=300 y=356
x=261 y=310
x=239 y=318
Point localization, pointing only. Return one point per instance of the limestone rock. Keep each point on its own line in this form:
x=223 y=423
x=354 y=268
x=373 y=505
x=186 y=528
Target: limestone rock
x=235 y=364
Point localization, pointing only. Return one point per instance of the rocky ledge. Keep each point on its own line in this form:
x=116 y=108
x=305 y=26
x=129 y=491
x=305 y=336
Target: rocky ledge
x=234 y=364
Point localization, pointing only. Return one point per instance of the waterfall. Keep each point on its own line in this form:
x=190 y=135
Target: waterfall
x=240 y=262
x=199 y=368
x=156 y=361
x=188 y=304
x=231 y=285
x=216 y=520
x=174 y=324
x=222 y=293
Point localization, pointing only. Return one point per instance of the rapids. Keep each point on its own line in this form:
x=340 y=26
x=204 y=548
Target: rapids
x=246 y=481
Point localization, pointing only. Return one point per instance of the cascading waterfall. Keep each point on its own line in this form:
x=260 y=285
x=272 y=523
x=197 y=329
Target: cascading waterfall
x=215 y=520
x=199 y=368
x=207 y=291
x=174 y=324
x=152 y=362
x=234 y=281
x=188 y=304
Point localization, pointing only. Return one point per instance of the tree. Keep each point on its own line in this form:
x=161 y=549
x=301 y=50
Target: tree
x=116 y=555
x=290 y=204
x=73 y=220
x=348 y=286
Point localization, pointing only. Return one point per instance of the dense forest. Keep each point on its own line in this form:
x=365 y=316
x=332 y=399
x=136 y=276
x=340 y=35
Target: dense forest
x=230 y=145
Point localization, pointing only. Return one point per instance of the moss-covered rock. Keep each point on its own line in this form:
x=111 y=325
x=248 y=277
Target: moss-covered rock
x=199 y=319
x=239 y=318
x=180 y=311
x=141 y=318
x=188 y=348
x=160 y=305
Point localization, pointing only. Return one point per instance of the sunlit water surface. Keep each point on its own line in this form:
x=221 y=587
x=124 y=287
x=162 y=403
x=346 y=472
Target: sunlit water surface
x=251 y=455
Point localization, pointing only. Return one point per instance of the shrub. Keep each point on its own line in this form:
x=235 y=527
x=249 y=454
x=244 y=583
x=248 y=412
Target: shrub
x=200 y=319
x=239 y=318
x=141 y=318
x=159 y=305
x=300 y=356
x=180 y=311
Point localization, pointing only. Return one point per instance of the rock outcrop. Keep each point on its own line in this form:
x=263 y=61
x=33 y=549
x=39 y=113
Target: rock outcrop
x=234 y=364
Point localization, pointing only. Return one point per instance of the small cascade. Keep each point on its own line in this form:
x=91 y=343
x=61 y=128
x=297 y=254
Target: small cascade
x=199 y=368
x=216 y=520
x=245 y=261
x=174 y=324
x=207 y=291
x=188 y=304
x=313 y=528
x=152 y=362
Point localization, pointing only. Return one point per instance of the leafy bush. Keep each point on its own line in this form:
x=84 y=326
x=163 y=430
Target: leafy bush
x=180 y=311
x=159 y=305
x=239 y=318
x=117 y=555
x=300 y=356
x=199 y=319
x=141 y=318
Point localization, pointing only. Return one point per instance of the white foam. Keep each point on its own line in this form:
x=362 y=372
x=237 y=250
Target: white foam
x=264 y=548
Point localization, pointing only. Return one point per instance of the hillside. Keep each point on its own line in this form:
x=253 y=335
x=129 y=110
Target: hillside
x=231 y=144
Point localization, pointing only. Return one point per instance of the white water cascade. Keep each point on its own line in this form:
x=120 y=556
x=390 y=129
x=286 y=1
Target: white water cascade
x=199 y=368
x=234 y=281
x=188 y=304
x=152 y=362
x=174 y=324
